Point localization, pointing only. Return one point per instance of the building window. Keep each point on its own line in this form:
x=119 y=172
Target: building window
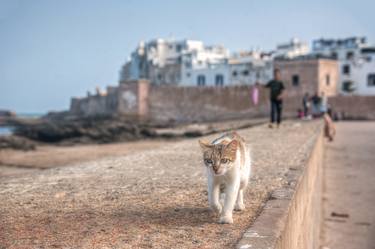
x=295 y=80
x=188 y=75
x=188 y=64
x=328 y=79
x=371 y=79
x=201 y=80
x=245 y=73
x=219 y=80
x=257 y=75
x=234 y=73
x=348 y=86
x=346 y=69
x=334 y=55
x=349 y=55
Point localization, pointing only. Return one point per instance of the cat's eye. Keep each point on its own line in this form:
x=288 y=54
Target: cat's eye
x=224 y=160
x=208 y=161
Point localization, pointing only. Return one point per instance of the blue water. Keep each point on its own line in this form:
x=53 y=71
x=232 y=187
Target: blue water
x=30 y=115
x=5 y=130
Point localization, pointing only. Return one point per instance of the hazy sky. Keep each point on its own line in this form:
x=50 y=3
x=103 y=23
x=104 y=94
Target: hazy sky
x=51 y=50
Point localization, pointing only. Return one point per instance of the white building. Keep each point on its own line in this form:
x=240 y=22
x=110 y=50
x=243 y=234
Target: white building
x=292 y=49
x=213 y=75
x=356 y=61
x=171 y=62
x=250 y=68
x=191 y=63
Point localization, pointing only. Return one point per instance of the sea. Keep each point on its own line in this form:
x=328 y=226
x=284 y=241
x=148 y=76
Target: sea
x=8 y=130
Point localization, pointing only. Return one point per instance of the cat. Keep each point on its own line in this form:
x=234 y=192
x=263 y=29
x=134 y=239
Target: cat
x=228 y=165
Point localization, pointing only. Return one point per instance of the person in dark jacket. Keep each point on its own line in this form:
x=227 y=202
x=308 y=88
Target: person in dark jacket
x=276 y=87
x=316 y=101
x=306 y=104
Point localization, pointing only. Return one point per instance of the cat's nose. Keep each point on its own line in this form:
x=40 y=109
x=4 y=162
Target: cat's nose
x=216 y=169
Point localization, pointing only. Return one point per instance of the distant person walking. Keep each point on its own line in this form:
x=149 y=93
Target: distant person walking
x=323 y=103
x=315 y=105
x=306 y=104
x=276 y=87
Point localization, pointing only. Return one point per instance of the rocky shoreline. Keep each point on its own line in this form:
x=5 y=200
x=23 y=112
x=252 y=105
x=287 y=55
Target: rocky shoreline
x=28 y=133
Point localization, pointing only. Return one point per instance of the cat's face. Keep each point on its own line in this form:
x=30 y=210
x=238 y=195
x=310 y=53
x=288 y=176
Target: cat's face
x=219 y=157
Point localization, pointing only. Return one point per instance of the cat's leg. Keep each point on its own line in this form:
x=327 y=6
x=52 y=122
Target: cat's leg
x=214 y=197
x=239 y=202
x=231 y=192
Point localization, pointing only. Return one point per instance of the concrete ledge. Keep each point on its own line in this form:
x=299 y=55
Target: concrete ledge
x=291 y=217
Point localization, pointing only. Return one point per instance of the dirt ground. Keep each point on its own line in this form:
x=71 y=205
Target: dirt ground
x=154 y=197
x=349 y=187
x=49 y=156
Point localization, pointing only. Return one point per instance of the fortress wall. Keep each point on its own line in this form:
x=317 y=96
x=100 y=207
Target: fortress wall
x=195 y=104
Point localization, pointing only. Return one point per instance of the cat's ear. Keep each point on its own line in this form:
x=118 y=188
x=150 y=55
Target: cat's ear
x=231 y=149
x=205 y=145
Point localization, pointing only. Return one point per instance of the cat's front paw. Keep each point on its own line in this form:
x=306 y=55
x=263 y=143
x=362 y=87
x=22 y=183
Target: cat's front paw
x=239 y=207
x=216 y=208
x=227 y=219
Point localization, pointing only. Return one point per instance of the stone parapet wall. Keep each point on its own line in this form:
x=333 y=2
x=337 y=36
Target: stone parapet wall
x=291 y=218
x=354 y=107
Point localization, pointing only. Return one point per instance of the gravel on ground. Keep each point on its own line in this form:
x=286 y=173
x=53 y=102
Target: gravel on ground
x=154 y=198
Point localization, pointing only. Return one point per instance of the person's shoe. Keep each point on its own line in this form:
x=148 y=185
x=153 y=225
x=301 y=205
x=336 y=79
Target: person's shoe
x=270 y=125
x=278 y=125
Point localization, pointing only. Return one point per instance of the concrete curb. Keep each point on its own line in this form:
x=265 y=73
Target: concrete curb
x=291 y=217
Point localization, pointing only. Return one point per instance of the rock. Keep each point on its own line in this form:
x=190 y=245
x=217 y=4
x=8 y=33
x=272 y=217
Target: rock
x=17 y=143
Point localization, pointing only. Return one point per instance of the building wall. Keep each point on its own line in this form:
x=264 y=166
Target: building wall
x=355 y=53
x=311 y=75
x=354 y=107
x=306 y=71
x=260 y=71
x=190 y=77
x=328 y=77
x=360 y=76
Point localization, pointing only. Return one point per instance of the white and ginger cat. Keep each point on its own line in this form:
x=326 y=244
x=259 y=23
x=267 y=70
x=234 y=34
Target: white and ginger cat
x=228 y=165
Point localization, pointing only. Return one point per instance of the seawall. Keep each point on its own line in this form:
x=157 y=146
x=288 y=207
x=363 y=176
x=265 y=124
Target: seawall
x=196 y=104
x=291 y=217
